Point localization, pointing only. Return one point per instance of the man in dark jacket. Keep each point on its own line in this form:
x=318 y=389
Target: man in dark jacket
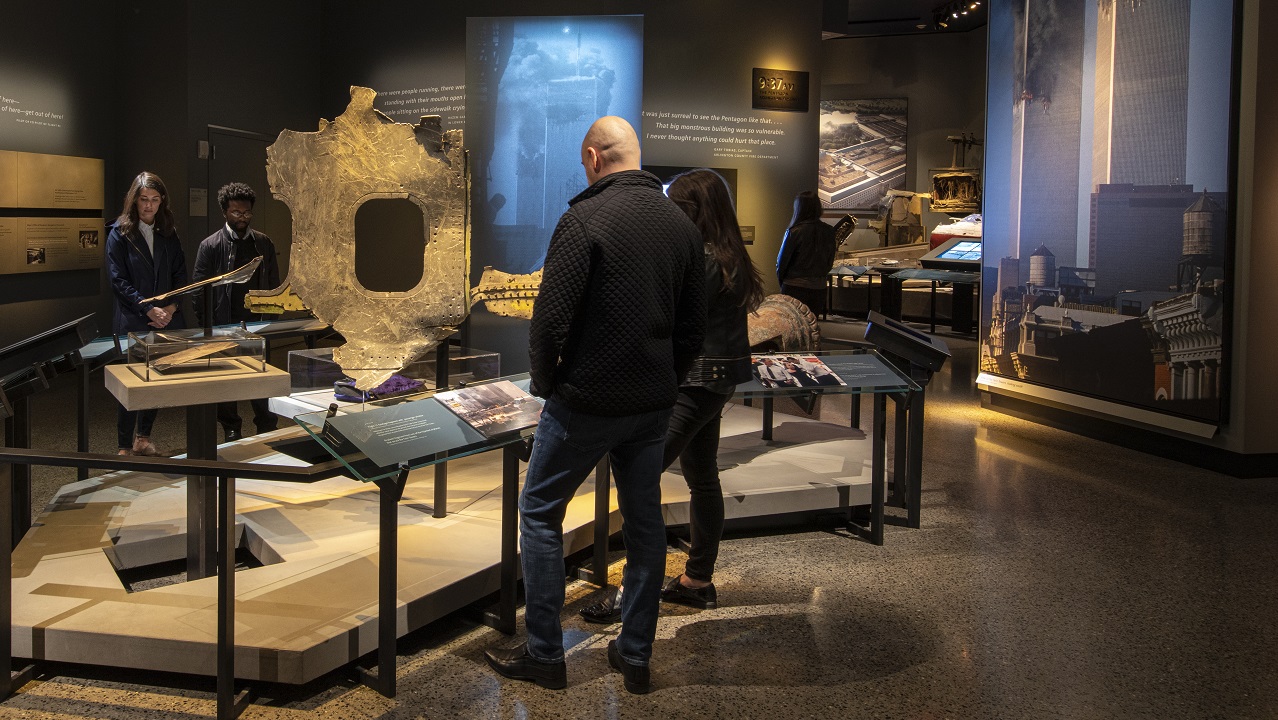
x=234 y=245
x=618 y=321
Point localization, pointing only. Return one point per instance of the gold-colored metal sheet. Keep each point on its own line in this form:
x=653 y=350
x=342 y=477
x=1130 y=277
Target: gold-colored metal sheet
x=273 y=302
x=8 y=179
x=31 y=244
x=59 y=181
x=505 y=294
x=324 y=177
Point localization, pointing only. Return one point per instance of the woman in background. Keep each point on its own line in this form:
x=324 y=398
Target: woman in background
x=144 y=259
x=807 y=253
x=733 y=290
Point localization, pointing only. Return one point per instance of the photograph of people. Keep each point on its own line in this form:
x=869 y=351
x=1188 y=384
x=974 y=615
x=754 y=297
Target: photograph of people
x=773 y=374
x=144 y=259
x=799 y=372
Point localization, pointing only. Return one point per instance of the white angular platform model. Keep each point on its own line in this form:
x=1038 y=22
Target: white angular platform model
x=312 y=606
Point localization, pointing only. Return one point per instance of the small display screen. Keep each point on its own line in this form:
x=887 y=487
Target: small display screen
x=965 y=250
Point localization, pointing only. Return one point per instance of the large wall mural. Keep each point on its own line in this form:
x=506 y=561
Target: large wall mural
x=1107 y=200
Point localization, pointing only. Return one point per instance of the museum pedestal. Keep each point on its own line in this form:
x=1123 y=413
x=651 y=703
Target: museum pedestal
x=199 y=393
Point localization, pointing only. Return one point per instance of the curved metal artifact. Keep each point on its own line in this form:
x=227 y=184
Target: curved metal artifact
x=324 y=177
x=783 y=323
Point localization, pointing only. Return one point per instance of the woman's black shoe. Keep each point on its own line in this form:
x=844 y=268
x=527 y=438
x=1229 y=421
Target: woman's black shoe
x=605 y=612
x=704 y=598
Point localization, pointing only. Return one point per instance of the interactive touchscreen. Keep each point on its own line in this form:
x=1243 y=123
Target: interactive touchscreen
x=965 y=250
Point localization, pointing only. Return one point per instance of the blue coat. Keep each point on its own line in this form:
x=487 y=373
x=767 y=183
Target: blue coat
x=135 y=274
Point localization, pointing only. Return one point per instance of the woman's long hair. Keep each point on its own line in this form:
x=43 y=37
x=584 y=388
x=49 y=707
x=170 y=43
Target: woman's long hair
x=128 y=220
x=703 y=195
x=807 y=207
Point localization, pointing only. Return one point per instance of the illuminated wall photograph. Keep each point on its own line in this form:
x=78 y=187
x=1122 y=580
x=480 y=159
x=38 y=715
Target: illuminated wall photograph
x=862 y=152
x=1107 y=204
x=534 y=86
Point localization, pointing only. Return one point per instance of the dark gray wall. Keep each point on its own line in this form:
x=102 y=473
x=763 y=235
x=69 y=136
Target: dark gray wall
x=155 y=77
x=54 y=59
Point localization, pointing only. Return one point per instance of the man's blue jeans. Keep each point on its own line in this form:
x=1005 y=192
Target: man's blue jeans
x=567 y=446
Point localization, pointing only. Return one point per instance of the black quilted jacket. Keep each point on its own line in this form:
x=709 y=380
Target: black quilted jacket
x=621 y=311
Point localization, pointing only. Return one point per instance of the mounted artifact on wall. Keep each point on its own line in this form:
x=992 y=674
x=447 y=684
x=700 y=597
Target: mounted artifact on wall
x=325 y=177
x=957 y=188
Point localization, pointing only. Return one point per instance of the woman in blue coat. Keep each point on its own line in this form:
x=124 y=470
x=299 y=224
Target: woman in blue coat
x=144 y=259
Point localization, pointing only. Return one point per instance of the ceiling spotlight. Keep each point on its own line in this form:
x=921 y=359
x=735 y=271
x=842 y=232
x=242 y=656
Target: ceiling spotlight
x=954 y=14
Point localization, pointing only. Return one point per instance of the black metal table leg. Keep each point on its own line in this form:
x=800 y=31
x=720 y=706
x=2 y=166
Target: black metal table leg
x=82 y=417
x=767 y=418
x=932 y=310
x=201 y=493
x=961 y=302
x=878 y=470
x=18 y=435
x=855 y=420
x=598 y=572
x=899 y=486
x=227 y=706
x=390 y=491
x=914 y=467
x=440 y=508
x=442 y=353
x=509 y=539
x=502 y=617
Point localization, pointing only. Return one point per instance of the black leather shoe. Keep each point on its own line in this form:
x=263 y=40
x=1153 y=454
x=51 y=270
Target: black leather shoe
x=516 y=664
x=636 y=677
x=605 y=612
x=233 y=435
x=676 y=592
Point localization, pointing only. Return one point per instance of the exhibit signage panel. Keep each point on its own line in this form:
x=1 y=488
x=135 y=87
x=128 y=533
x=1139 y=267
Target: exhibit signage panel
x=37 y=186
x=779 y=90
x=45 y=244
x=58 y=181
x=403 y=432
x=8 y=179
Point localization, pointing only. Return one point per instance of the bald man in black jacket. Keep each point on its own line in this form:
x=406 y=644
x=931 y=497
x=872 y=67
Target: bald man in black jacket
x=618 y=321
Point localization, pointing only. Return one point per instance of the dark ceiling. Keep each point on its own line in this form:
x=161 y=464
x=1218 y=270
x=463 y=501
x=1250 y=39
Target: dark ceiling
x=869 y=18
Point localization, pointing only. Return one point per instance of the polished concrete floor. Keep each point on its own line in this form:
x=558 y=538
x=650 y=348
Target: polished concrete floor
x=1054 y=577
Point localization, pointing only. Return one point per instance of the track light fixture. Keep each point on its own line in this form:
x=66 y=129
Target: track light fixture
x=945 y=15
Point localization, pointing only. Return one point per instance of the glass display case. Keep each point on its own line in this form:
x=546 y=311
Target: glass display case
x=172 y=354
x=316 y=378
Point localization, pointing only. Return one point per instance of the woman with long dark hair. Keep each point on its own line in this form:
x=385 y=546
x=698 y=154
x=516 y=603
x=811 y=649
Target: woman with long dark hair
x=734 y=289
x=807 y=253
x=144 y=259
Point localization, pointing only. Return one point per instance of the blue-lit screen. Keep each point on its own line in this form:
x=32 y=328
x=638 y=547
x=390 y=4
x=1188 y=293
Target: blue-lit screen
x=966 y=250
x=534 y=87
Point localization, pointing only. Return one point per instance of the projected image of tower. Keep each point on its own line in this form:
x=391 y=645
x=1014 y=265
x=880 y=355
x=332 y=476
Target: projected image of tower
x=572 y=105
x=1142 y=93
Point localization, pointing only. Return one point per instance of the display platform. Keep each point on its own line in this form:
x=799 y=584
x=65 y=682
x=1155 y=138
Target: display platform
x=311 y=607
x=135 y=393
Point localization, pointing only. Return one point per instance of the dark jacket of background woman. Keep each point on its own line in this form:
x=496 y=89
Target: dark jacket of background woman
x=136 y=274
x=725 y=353
x=807 y=254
